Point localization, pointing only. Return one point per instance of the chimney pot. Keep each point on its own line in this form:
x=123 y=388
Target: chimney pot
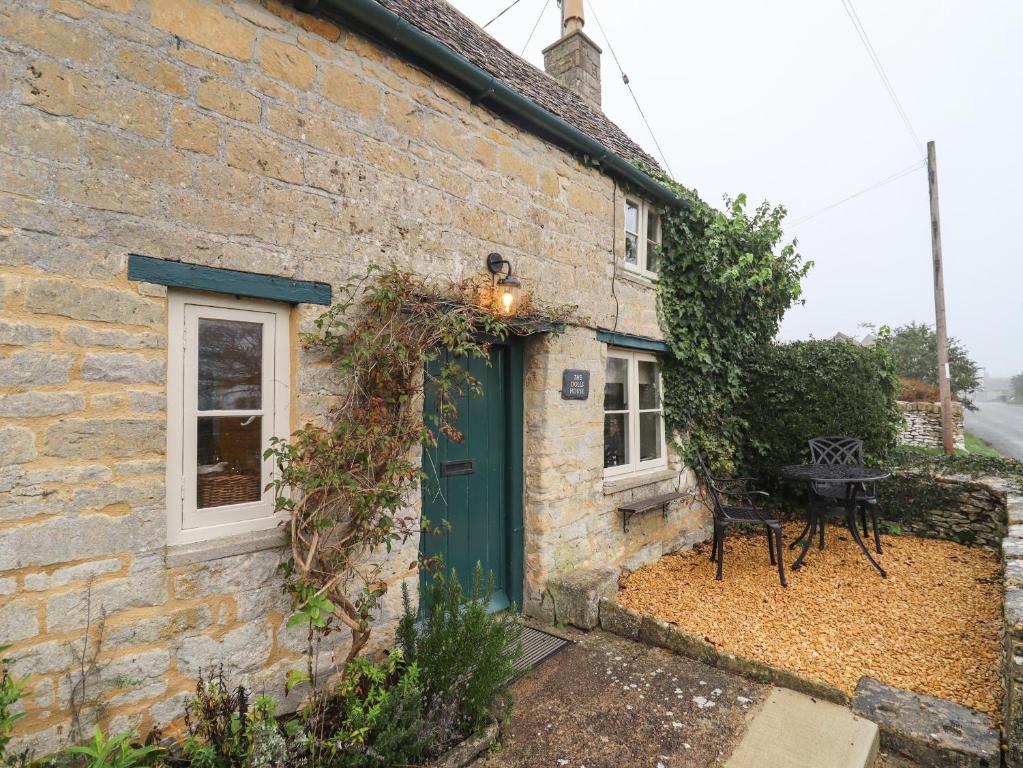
x=572 y=19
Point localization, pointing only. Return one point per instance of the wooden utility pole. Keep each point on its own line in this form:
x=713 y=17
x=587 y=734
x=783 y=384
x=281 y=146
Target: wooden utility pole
x=944 y=385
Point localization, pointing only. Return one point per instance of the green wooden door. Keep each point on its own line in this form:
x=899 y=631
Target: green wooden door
x=476 y=484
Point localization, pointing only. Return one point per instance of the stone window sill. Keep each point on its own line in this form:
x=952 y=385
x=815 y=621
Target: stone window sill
x=229 y=546
x=627 y=483
x=634 y=275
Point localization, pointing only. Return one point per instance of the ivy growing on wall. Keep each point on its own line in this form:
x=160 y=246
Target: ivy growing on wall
x=725 y=280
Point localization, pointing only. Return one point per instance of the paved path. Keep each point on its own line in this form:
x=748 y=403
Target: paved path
x=1000 y=425
x=606 y=702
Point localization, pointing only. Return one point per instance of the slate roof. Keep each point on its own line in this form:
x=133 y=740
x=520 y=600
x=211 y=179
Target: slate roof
x=462 y=35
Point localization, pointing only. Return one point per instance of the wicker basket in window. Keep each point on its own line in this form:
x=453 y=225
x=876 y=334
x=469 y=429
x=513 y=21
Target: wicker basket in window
x=221 y=489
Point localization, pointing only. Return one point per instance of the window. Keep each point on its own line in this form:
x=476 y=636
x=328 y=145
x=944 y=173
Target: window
x=642 y=236
x=228 y=379
x=633 y=423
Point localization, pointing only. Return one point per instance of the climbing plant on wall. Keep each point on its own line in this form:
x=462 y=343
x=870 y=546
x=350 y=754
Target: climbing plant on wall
x=725 y=280
x=349 y=483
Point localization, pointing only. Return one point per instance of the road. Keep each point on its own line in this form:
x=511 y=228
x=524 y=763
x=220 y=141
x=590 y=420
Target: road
x=1000 y=425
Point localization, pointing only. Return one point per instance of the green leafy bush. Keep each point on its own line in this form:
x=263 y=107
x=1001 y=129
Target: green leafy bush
x=228 y=729
x=12 y=690
x=466 y=656
x=806 y=389
x=372 y=719
x=117 y=751
x=379 y=716
x=397 y=712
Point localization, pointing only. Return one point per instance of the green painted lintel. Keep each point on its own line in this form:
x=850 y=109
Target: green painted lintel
x=632 y=342
x=176 y=274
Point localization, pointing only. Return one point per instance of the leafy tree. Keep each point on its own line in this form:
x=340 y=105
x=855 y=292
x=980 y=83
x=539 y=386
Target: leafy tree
x=1017 y=388
x=914 y=348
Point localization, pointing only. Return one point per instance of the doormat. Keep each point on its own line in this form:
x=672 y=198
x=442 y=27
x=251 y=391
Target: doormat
x=537 y=647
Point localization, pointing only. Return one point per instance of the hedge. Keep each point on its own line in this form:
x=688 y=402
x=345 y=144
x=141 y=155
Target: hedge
x=806 y=389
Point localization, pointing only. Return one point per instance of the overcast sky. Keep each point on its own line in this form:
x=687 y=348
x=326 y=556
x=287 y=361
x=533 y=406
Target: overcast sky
x=780 y=100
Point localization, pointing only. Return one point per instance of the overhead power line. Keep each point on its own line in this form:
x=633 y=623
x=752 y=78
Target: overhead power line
x=861 y=31
x=502 y=13
x=625 y=79
x=918 y=165
x=533 y=30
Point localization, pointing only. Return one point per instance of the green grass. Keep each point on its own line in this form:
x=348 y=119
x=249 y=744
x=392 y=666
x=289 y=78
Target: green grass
x=974 y=446
x=977 y=446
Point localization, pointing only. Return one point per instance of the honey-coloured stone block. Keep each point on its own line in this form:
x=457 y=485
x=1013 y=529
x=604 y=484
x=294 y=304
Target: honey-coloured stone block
x=287 y=62
x=205 y=25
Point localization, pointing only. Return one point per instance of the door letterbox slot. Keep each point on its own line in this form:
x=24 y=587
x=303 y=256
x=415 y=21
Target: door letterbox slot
x=455 y=468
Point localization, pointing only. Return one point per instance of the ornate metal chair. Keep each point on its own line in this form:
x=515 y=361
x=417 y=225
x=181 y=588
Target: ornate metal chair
x=726 y=514
x=845 y=450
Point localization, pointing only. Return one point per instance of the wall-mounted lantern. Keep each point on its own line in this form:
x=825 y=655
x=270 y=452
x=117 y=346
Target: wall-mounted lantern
x=506 y=288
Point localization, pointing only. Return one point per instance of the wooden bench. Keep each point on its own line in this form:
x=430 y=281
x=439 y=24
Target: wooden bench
x=637 y=506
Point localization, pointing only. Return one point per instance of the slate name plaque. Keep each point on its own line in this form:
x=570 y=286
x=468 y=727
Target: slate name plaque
x=575 y=384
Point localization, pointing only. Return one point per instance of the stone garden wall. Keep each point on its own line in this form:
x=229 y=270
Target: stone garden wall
x=1012 y=647
x=957 y=508
x=923 y=425
x=248 y=136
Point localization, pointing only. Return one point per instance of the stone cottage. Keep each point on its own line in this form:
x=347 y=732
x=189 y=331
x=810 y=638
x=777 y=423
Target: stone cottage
x=183 y=185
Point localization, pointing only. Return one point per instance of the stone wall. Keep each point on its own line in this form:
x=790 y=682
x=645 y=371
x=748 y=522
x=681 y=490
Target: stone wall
x=956 y=508
x=923 y=425
x=1012 y=646
x=571 y=513
x=574 y=61
x=251 y=137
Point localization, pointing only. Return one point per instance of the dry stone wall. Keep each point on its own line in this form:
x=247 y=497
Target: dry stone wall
x=1012 y=645
x=246 y=136
x=956 y=508
x=922 y=427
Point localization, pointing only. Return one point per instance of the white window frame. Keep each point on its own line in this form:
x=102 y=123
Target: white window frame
x=643 y=236
x=185 y=523
x=635 y=466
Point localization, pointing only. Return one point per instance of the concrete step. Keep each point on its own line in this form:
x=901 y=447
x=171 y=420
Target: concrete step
x=795 y=731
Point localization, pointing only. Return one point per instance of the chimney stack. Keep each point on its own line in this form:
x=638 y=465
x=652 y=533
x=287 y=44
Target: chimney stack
x=574 y=60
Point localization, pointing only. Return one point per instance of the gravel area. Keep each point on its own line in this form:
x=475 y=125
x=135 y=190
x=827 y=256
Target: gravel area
x=932 y=626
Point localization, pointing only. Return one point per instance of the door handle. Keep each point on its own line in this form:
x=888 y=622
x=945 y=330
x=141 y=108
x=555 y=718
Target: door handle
x=456 y=468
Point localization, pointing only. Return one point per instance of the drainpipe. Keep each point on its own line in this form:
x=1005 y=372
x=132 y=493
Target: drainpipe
x=486 y=89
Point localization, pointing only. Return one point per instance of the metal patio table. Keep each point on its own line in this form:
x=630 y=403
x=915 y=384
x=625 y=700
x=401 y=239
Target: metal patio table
x=853 y=477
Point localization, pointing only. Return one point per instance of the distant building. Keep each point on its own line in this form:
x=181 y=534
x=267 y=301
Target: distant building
x=867 y=341
x=994 y=388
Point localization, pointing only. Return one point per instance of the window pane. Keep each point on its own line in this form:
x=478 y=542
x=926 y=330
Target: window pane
x=229 y=458
x=616 y=439
x=616 y=385
x=632 y=249
x=230 y=365
x=649 y=389
x=649 y=436
x=631 y=217
x=653 y=256
x=653 y=241
x=653 y=227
